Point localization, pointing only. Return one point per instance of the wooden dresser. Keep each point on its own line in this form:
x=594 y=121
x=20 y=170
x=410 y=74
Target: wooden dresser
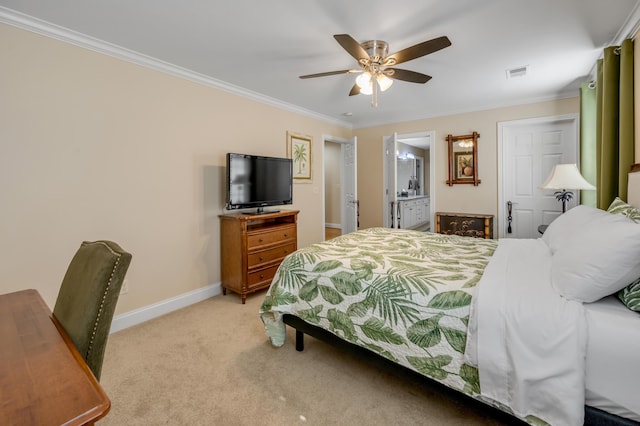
x=252 y=247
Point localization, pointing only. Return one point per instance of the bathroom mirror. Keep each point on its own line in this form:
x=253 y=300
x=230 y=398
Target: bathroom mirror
x=410 y=175
x=463 y=159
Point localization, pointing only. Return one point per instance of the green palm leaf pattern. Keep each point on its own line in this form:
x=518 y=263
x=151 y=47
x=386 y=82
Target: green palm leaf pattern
x=311 y=315
x=330 y=295
x=403 y=294
x=425 y=333
x=309 y=291
x=376 y=329
x=380 y=350
x=630 y=295
x=391 y=301
x=279 y=297
x=431 y=366
x=346 y=283
x=618 y=206
x=450 y=300
x=292 y=273
x=471 y=379
x=340 y=321
x=456 y=338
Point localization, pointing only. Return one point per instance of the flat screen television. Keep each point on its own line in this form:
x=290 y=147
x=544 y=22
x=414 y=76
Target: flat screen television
x=258 y=181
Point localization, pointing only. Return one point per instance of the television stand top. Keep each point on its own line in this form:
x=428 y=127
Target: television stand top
x=278 y=216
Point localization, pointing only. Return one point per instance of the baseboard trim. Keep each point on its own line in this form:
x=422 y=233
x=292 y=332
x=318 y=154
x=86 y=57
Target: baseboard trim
x=138 y=316
x=333 y=225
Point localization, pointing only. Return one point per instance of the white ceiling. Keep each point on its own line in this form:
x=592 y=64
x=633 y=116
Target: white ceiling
x=264 y=45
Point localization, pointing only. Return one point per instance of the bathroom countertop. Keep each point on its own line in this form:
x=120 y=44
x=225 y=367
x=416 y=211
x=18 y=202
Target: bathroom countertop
x=411 y=197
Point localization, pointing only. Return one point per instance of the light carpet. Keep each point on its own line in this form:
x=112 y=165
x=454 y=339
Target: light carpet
x=212 y=364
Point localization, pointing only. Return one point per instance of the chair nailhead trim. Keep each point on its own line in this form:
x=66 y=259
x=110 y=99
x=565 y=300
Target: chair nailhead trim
x=104 y=296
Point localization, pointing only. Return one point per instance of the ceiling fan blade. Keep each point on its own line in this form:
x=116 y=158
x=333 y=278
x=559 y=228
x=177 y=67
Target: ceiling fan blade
x=416 y=51
x=355 y=90
x=324 y=74
x=406 y=75
x=349 y=44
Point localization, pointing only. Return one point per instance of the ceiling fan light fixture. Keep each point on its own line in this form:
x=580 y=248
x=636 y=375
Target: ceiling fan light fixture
x=375 y=62
x=367 y=90
x=384 y=82
x=364 y=82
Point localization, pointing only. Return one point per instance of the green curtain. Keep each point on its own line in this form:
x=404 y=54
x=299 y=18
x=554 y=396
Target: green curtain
x=588 y=140
x=614 y=123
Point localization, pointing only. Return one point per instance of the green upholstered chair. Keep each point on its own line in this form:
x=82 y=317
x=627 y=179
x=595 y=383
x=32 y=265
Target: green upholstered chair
x=88 y=296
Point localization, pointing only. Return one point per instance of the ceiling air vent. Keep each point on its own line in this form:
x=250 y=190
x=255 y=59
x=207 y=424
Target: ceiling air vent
x=517 y=72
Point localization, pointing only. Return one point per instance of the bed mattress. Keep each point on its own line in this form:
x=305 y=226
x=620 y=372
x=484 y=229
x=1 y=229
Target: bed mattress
x=613 y=350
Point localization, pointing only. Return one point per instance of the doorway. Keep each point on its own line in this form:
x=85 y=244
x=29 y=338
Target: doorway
x=340 y=202
x=528 y=150
x=415 y=151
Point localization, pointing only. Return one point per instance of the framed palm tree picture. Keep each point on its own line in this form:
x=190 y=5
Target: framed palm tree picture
x=299 y=150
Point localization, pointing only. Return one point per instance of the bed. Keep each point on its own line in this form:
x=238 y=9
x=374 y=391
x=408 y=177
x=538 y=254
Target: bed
x=534 y=328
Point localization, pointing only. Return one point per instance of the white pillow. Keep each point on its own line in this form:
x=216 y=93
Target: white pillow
x=595 y=253
x=568 y=225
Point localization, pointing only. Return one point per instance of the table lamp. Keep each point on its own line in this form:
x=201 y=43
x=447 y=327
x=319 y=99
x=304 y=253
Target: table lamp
x=565 y=177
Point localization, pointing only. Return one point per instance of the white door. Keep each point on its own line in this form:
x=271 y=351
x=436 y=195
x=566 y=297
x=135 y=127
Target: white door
x=390 y=195
x=350 y=205
x=344 y=194
x=529 y=150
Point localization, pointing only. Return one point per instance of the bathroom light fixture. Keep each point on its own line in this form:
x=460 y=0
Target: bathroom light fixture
x=466 y=143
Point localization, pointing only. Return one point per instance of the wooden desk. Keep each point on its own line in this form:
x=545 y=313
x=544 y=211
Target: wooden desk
x=43 y=378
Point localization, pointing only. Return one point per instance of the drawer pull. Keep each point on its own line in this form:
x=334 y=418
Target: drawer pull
x=286 y=251
x=261 y=258
x=261 y=276
x=260 y=240
x=286 y=235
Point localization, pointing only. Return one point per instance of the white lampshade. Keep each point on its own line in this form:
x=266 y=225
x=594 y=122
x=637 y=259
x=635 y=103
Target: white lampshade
x=364 y=82
x=566 y=176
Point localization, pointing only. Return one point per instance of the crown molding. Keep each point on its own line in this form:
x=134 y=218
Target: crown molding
x=630 y=27
x=30 y=23
x=424 y=115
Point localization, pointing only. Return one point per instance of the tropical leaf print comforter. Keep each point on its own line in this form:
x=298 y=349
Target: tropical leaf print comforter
x=403 y=294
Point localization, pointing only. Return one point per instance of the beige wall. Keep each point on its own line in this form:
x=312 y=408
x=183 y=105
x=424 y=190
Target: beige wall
x=457 y=198
x=92 y=147
x=332 y=179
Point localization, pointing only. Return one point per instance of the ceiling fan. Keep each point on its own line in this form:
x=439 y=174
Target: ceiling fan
x=376 y=65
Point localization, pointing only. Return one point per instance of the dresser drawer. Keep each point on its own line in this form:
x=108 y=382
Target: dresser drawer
x=261 y=277
x=275 y=253
x=264 y=238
